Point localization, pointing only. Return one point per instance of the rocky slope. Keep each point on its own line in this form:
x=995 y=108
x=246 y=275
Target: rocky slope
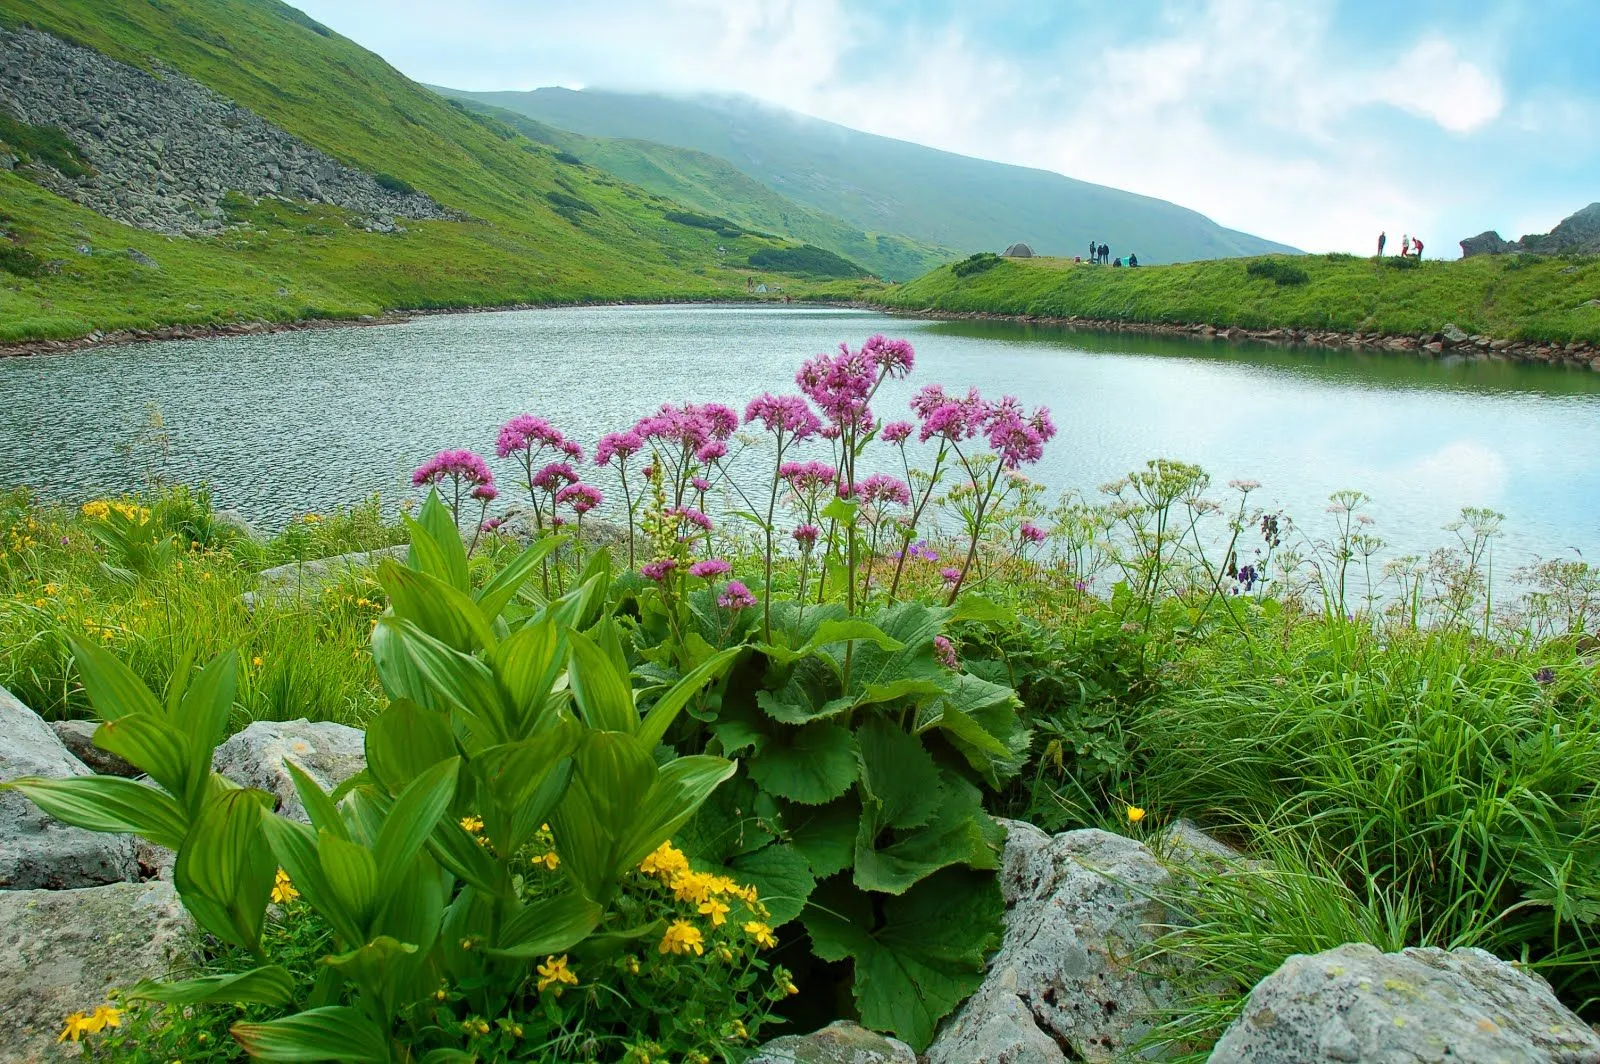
x=164 y=150
x=1577 y=234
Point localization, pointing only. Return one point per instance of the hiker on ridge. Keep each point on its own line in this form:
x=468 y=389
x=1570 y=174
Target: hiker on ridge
x=1094 y=250
x=1383 y=238
x=1405 y=245
x=1416 y=246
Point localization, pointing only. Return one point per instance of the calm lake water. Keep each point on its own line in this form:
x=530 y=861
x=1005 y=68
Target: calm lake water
x=303 y=421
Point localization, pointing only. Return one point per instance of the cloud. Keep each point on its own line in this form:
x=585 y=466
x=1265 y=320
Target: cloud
x=1434 y=81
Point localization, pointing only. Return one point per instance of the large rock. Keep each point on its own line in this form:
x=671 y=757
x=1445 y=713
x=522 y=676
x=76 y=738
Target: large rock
x=328 y=753
x=62 y=950
x=309 y=578
x=78 y=737
x=1576 y=234
x=1354 y=1003
x=837 y=1043
x=1454 y=334
x=1066 y=983
x=37 y=850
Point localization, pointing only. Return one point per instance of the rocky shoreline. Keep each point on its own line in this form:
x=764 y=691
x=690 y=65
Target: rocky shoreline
x=1449 y=340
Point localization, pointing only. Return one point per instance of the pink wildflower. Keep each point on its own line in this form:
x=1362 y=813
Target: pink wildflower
x=700 y=483
x=735 y=597
x=493 y=524
x=710 y=452
x=882 y=488
x=458 y=464
x=711 y=567
x=1032 y=533
x=659 y=570
x=806 y=536
x=783 y=413
x=528 y=432
x=581 y=497
x=896 y=431
x=945 y=652
x=553 y=476
x=950 y=574
x=692 y=516
x=617 y=445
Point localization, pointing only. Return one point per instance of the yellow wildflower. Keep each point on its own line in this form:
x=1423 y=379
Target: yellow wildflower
x=551 y=860
x=441 y=993
x=665 y=863
x=692 y=886
x=1135 y=814
x=762 y=933
x=39 y=603
x=681 y=937
x=475 y=1026
x=78 y=1025
x=737 y=1031
x=105 y=1016
x=283 y=891
x=472 y=824
x=256 y=661
x=717 y=910
x=783 y=982
x=630 y=964
x=98 y=510
x=553 y=973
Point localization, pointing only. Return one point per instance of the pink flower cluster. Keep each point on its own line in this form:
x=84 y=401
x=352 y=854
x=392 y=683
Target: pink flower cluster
x=461 y=465
x=736 y=597
x=841 y=385
x=783 y=414
x=1015 y=437
x=882 y=488
x=710 y=568
x=808 y=477
x=580 y=497
x=528 y=432
x=554 y=477
x=622 y=445
x=691 y=425
x=1032 y=533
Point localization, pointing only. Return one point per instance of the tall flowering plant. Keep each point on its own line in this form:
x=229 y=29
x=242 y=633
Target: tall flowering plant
x=463 y=472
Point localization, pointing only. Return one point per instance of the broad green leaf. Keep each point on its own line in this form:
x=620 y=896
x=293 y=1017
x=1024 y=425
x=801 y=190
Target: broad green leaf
x=320 y=810
x=960 y=832
x=842 y=510
x=414 y=909
x=378 y=968
x=502 y=588
x=782 y=878
x=337 y=1032
x=680 y=788
x=521 y=783
x=351 y=873
x=826 y=834
x=463 y=857
x=668 y=706
x=878 y=675
x=613 y=774
x=546 y=926
x=448 y=615
x=295 y=847
x=441 y=529
x=404 y=741
x=970 y=607
x=148 y=742
x=809 y=692
x=839 y=631
x=269 y=985
x=202 y=715
x=527 y=665
x=925 y=956
x=462 y=680
x=573 y=609
x=109 y=803
x=412 y=820
x=899 y=780
x=604 y=698
x=113 y=689
x=225 y=867
x=810 y=765
x=980 y=720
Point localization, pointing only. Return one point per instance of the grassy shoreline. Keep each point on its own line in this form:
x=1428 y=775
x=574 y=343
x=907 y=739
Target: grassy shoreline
x=1522 y=299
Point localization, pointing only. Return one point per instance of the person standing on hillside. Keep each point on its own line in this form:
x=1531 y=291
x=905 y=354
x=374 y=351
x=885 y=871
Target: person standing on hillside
x=1093 y=250
x=1383 y=238
x=1416 y=246
x=1405 y=245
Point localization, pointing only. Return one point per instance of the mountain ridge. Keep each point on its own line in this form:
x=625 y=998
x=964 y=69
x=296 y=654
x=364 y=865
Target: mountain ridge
x=883 y=184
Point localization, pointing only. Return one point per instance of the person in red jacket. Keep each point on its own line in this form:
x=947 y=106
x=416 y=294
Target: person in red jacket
x=1416 y=246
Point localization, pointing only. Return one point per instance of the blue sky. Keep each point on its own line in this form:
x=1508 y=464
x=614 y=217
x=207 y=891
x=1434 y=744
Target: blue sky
x=1313 y=122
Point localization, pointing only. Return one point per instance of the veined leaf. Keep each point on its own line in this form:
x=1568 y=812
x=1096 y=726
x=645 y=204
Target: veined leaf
x=810 y=765
x=113 y=689
x=546 y=926
x=269 y=985
x=445 y=613
x=462 y=680
x=147 y=741
x=225 y=866
x=404 y=741
x=441 y=530
x=527 y=664
x=899 y=780
x=781 y=876
x=202 y=714
x=825 y=835
x=295 y=847
x=337 y=1032
x=959 y=833
x=319 y=805
x=680 y=788
x=351 y=873
x=502 y=588
x=604 y=697
x=109 y=803
x=925 y=956
x=412 y=820
x=669 y=705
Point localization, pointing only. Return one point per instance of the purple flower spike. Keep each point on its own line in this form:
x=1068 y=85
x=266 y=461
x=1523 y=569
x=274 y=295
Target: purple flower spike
x=736 y=597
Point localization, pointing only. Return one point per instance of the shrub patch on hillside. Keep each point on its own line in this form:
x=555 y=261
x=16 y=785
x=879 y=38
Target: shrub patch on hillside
x=973 y=264
x=806 y=259
x=1277 y=271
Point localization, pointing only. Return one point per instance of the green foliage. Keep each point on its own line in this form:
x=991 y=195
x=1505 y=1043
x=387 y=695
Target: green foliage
x=19 y=261
x=808 y=260
x=570 y=202
x=700 y=221
x=972 y=264
x=44 y=144
x=393 y=184
x=1505 y=296
x=1277 y=271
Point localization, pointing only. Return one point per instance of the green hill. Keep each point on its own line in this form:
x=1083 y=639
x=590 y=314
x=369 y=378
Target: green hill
x=891 y=186
x=715 y=186
x=535 y=225
x=1509 y=297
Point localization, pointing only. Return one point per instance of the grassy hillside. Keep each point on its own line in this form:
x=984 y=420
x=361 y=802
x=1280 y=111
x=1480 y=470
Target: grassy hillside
x=1510 y=297
x=706 y=183
x=518 y=244
x=890 y=186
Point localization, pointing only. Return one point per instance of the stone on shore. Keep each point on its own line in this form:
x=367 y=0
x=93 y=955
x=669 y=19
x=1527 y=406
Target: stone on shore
x=78 y=737
x=61 y=951
x=309 y=578
x=838 y=1043
x=1354 y=1003
x=329 y=753
x=36 y=850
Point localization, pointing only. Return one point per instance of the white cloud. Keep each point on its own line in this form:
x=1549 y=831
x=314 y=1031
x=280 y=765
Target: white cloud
x=1434 y=81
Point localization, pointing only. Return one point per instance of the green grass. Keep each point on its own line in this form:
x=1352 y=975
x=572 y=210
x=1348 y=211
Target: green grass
x=1504 y=297
x=539 y=230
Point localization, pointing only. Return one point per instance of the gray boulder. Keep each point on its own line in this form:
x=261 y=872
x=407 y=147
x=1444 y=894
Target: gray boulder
x=37 y=850
x=1067 y=982
x=78 y=737
x=1354 y=1003
x=309 y=578
x=328 y=753
x=838 y=1043
x=1454 y=334
x=61 y=951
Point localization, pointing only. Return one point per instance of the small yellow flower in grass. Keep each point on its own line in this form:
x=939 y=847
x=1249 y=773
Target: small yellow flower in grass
x=737 y=1031
x=256 y=661
x=683 y=937
x=551 y=860
x=553 y=973
x=283 y=891
x=630 y=964
x=78 y=1025
x=472 y=824
x=717 y=910
x=761 y=933
x=442 y=993
x=1135 y=814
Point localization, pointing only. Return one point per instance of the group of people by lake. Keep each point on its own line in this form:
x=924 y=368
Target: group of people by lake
x=1101 y=254
x=1409 y=245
